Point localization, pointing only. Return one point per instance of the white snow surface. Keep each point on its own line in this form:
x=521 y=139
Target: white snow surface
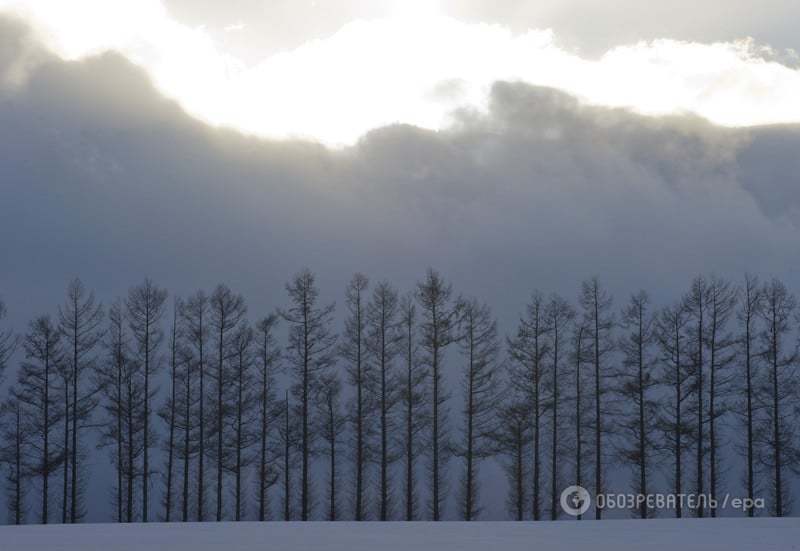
x=761 y=534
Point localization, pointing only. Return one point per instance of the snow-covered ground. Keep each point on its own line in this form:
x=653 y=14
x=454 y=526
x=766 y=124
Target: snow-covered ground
x=621 y=535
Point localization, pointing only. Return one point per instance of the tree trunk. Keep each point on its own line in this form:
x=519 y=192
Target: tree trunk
x=171 y=444
x=749 y=375
x=65 y=497
x=220 y=430
x=776 y=435
x=46 y=445
x=469 y=502
x=146 y=437
x=678 y=426
x=186 y=439
x=75 y=410
x=598 y=465
x=699 y=375
x=410 y=425
x=554 y=453
x=642 y=447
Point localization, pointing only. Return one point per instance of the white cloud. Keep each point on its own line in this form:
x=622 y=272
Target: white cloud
x=372 y=73
x=234 y=27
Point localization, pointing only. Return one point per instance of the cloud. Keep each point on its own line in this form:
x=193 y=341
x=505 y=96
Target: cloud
x=104 y=178
x=393 y=70
x=538 y=187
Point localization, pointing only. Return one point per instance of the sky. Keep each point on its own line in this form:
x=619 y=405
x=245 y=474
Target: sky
x=513 y=147
x=333 y=70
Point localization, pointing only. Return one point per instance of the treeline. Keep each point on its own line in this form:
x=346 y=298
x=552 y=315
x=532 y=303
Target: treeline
x=286 y=417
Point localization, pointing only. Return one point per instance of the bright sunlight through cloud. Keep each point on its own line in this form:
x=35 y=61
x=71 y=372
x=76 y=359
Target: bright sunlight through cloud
x=415 y=67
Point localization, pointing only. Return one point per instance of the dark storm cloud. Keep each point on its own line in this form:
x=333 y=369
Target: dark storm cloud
x=104 y=178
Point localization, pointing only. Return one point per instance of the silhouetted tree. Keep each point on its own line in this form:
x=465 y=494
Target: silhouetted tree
x=695 y=303
x=527 y=351
x=245 y=399
x=512 y=439
x=748 y=315
x=596 y=305
x=187 y=400
x=169 y=412
x=776 y=432
x=578 y=356
x=145 y=309
x=414 y=402
x=110 y=377
x=44 y=412
x=674 y=426
x=480 y=348
x=227 y=310
x=268 y=366
x=13 y=441
x=384 y=343
x=636 y=387
x=558 y=316
x=439 y=314
x=352 y=348
x=722 y=300
x=331 y=422
x=80 y=321
x=311 y=351
x=288 y=433
x=8 y=340
x=195 y=315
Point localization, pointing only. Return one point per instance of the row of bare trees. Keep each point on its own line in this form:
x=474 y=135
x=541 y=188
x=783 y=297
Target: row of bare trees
x=285 y=418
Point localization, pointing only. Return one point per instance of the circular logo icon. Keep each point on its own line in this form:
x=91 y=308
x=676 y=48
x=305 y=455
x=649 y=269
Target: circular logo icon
x=575 y=500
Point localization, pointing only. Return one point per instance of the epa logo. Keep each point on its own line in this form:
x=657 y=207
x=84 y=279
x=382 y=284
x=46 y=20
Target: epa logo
x=575 y=500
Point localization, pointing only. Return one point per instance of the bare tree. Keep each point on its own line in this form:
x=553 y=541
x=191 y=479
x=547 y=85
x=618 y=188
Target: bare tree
x=332 y=423
x=512 y=440
x=384 y=343
x=245 y=400
x=578 y=356
x=311 y=351
x=558 y=316
x=722 y=300
x=674 y=426
x=695 y=303
x=13 y=441
x=288 y=433
x=352 y=348
x=269 y=356
x=637 y=381
x=145 y=309
x=170 y=410
x=439 y=314
x=776 y=432
x=134 y=431
x=111 y=377
x=480 y=348
x=80 y=321
x=413 y=402
x=748 y=315
x=596 y=305
x=8 y=341
x=185 y=421
x=196 y=317
x=36 y=388
x=227 y=310
x=527 y=351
